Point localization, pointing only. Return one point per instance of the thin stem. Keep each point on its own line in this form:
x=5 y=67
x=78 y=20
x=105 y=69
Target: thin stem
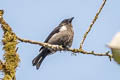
x=91 y=25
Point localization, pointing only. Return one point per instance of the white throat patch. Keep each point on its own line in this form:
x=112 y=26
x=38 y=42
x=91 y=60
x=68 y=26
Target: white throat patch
x=63 y=28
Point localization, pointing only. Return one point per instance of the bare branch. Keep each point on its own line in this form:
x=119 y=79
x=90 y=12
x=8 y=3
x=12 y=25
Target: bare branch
x=91 y=25
x=47 y=45
x=60 y=48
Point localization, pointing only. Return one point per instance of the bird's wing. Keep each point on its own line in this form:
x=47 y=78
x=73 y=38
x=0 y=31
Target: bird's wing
x=56 y=30
x=61 y=38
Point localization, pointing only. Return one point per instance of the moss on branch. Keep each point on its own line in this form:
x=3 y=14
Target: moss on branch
x=11 y=58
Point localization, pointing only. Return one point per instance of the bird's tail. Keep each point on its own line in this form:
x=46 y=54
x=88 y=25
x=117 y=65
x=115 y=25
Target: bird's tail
x=39 y=58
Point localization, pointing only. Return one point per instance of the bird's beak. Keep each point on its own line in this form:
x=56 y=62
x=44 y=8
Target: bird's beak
x=70 y=20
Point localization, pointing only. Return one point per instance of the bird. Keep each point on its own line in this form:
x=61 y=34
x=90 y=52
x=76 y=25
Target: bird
x=61 y=35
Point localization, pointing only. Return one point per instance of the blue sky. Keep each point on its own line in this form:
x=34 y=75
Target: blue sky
x=35 y=19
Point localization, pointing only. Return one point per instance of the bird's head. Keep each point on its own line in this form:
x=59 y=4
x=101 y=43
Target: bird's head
x=67 y=21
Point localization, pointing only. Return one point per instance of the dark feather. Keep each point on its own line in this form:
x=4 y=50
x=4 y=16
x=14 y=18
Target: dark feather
x=57 y=37
x=40 y=57
x=56 y=30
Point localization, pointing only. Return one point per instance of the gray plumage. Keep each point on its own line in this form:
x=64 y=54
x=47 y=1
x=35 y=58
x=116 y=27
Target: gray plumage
x=61 y=35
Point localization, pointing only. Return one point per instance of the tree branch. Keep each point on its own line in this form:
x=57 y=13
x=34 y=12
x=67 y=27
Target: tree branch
x=91 y=25
x=9 y=46
x=60 y=48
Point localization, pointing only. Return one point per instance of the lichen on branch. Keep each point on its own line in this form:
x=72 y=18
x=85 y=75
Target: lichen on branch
x=11 y=58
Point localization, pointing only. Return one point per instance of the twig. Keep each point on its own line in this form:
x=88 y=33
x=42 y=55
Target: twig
x=60 y=48
x=94 y=20
x=46 y=45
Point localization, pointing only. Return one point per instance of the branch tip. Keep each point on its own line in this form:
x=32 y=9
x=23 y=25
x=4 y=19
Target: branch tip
x=92 y=23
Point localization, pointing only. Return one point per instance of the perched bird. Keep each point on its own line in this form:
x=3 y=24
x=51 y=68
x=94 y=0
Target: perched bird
x=61 y=35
